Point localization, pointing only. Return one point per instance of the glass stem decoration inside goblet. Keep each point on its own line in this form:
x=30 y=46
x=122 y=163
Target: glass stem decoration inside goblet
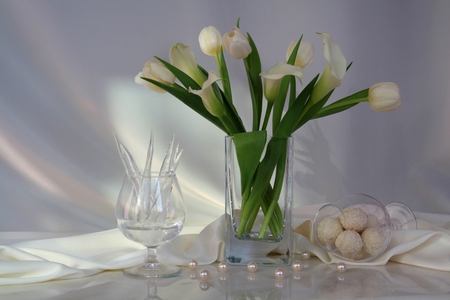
x=154 y=223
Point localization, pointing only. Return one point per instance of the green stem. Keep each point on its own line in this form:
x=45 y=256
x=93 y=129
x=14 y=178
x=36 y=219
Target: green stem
x=223 y=71
x=327 y=110
x=275 y=195
x=267 y=115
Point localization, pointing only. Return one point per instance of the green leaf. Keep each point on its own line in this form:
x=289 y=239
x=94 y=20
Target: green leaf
x=249 y=148
x=225 y=77
x=191 y=100
x=185 y=79
x=343 y=104
x=291 y=117
x=313 y=110
x=274 y=150
x=253 y=68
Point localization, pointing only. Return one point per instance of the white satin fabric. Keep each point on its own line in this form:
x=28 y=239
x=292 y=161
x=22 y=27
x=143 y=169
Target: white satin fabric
x=84 y=255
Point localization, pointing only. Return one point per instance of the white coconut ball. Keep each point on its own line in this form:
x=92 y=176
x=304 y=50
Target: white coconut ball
x=329 y=229
x=349 y=242
x=353 y=218
x=373 y=241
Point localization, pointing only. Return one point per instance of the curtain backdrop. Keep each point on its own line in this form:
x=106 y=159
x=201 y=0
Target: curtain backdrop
x=67 y=73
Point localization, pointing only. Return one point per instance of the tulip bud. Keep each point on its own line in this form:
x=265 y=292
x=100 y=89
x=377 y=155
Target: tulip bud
x=273 y=78
x=155 y=70
x=237 y=44
x=209 y=98
x=182 y=57
x=305 y=53
x=384 y=96
x=210 y=41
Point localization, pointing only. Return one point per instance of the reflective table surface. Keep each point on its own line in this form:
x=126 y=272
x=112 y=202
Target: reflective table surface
x=315 y=281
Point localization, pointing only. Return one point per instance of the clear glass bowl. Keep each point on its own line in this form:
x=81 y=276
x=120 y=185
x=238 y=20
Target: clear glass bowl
x=358 y=227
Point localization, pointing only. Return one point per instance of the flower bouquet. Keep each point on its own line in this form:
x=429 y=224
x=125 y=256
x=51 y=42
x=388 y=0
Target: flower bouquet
x=275 y=98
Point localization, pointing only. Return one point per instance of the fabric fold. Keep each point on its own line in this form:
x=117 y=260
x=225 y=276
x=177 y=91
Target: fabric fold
x=84 y=255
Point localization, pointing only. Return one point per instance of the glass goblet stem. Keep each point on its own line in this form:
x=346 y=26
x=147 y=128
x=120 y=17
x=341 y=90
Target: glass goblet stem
x=152 y=261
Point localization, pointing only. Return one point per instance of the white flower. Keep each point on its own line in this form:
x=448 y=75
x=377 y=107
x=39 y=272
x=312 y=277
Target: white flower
x=210 y=41
x=334 y=56
x=237 y=44
x=273 y=78
x=182 y=57
x=384 y=96
x=209 y=98
x=305 y=53
x=334 y=70
x=155 y=70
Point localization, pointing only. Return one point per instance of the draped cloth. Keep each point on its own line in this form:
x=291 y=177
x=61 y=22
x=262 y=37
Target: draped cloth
x=83 y=255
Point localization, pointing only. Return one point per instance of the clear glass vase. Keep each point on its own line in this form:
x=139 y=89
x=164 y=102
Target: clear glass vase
x=258 y=199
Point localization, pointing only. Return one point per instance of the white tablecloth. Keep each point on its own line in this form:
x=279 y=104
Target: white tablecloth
x=83 y=255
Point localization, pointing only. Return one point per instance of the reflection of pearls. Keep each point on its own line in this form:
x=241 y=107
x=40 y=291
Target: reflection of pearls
x=341 y=267
x=297 y=266
x=279 y=274
x=222 y=267
x=252 y=267
x=193 y=275
x=193 y=264
x=204 y=275
x=204 y=286
x=305 y=255
x=251 y=277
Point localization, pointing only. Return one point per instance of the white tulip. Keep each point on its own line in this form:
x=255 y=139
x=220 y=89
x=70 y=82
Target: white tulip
x=305 y=53
x=184 y=59
x=237 y=44
x=384 y=96
x=155 y=70
x=210 y=41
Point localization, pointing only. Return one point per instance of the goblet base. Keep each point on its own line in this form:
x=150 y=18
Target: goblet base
x=152 y=271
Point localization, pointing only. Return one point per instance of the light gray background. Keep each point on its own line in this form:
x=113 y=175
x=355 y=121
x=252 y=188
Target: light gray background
x=67 y=83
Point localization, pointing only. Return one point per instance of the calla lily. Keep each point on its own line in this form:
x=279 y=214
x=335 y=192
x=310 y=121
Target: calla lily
x=273 y=77
x=237 y=43
x=209 y=98
x=384 y=96
x=305 y=53
x=210 y=41
x=334 y=70
x=182 y=57
x=155 y=70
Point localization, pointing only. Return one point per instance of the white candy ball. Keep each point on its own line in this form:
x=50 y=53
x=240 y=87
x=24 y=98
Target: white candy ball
x=373 y=241
x=353 y=218
x=329 y=229
x=349 y=242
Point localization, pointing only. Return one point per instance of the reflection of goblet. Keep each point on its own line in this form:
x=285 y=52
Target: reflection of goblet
x=151 y=211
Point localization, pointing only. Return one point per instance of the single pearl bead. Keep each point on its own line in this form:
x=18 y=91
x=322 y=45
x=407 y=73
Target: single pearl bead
x=204 y=275
x=341 y=267
x=297 y=266
x=222 y=267
x=252 y=267
x=279 y=274
x=305 y=255
x=193 y=264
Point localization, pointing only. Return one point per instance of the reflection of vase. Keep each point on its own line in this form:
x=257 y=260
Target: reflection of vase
x=266 y=239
